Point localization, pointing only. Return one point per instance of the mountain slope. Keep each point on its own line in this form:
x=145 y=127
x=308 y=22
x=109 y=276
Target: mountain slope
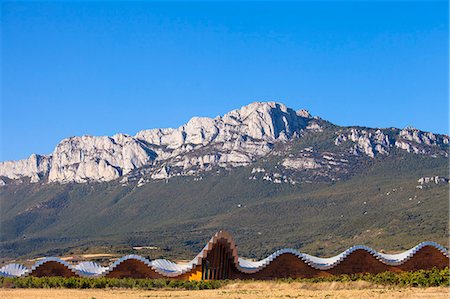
x=304 y=183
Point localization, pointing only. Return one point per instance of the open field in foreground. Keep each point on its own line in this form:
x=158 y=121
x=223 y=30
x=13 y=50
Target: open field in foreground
x=247 y=290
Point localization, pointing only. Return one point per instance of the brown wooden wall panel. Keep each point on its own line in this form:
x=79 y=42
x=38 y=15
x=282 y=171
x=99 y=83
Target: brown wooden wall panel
x=289 y=265
x=426 y=258
x=359 y=261
x=134 y=269
x=52 y=268
x=219 y=260
x=285 y=266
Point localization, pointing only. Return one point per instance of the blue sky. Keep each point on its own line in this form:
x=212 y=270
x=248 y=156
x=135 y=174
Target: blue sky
x=98 y=68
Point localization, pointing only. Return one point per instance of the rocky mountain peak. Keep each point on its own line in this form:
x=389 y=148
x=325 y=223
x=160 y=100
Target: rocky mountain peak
x=304 y=113
x=103 y=158
x=238 y=138
x=259 y=121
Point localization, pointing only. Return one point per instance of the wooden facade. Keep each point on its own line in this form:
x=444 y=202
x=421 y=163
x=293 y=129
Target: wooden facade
x=219 y=260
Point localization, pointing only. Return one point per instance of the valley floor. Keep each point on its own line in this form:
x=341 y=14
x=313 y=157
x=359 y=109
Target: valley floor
x=243 y=290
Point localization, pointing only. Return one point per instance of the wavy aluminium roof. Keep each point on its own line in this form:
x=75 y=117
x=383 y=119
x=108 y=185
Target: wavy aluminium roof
x=170 y=269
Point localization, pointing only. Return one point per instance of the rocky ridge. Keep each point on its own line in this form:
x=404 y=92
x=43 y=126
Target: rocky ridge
x=238 y=138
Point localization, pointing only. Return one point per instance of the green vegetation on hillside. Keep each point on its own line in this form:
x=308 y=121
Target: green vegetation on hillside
x=376 y=204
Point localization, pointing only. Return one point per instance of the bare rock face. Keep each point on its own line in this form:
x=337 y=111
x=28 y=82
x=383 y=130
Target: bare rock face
x=434 y=179
x=304 y=113
x=418 y=142
x=366 y=142
x=232 y=140
x=420 y=137
x=35 y=167
x=372 y=142
x=81 y=159
x=235 y=139
x=257 y=121
x=301 y=163
x=162 y=173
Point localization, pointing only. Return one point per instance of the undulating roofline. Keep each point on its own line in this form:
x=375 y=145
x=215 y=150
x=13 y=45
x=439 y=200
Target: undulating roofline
x=219 y=259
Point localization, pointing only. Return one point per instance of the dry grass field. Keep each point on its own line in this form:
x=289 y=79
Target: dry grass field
x=244 y=290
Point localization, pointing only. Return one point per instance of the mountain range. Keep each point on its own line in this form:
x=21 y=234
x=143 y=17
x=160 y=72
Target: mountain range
x=266 y=172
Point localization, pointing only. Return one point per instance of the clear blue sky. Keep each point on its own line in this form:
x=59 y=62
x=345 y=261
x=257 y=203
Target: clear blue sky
x=98 y=68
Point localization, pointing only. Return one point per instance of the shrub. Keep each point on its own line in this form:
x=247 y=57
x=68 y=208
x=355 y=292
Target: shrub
x=421 y=278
